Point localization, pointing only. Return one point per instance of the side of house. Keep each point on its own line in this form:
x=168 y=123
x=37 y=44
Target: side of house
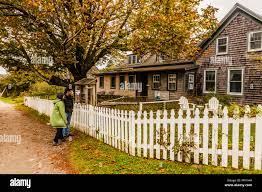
x=115 y=83
x=154 y=77
x=231 y=61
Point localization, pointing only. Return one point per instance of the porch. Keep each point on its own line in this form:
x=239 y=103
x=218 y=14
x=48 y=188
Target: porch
x=165 y=82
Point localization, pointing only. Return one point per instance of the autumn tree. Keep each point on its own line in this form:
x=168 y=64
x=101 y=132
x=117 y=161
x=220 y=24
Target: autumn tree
x=173 y=27
x=78 y=34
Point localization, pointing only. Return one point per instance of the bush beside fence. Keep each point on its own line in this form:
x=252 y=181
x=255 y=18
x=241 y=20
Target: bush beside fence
x=220 y=141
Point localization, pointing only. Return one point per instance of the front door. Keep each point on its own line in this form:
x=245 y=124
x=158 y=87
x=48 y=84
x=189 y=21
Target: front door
x=143 y=78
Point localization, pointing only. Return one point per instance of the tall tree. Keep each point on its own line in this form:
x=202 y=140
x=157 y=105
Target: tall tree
x=78 y=34
x=173 y=27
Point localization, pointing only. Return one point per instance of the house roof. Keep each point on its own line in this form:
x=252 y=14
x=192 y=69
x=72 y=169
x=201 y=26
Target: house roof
x=163 y=63
x=238 y=8
x=86 y=81
x=188 y=64
x=185 y=67
x=122 y=69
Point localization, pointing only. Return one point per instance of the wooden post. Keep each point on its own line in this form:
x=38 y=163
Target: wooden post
x=258 y=140
x=205 y=137
x=172 y=135
x=235 y=139
x=180 y=133
x=196 y=136
x=246 y=139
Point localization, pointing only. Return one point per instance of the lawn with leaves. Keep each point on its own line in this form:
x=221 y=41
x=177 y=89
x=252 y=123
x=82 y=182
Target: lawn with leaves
x=90 y=156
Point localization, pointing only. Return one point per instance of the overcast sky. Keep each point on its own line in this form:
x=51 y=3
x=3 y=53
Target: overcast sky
x=224 y=6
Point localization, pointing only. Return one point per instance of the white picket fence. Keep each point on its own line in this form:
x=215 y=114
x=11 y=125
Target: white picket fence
x=201 y=139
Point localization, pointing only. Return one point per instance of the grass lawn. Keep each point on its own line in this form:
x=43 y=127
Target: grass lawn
x=90 y=156
x=12 y=100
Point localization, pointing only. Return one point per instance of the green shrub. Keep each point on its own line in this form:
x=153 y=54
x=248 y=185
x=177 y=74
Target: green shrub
x=44 y=89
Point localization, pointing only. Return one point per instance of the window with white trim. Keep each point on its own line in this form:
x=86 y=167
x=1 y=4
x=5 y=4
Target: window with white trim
x=191 y=81
x=235 y=81
x=222 y=45
x=156 y=81
x=172 y=82
x=210 y=81
x=255 y=41
x=133 y=59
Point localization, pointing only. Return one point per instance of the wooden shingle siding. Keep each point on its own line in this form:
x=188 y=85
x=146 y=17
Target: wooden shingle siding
x=237 y=32
x=117 y=91
x=164 y=84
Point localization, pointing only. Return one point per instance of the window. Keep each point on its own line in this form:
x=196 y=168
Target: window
x=131 y=81
x=235 y=81
x=122 y=82
x=210 y=81
x=113 y=82
x=131 y=78
x=222 y=45
x=172 y=82
x=161 y=58
x=191 y=81
x=101 y=82
x=255 y=41
x=156 y=81
x=133 y=59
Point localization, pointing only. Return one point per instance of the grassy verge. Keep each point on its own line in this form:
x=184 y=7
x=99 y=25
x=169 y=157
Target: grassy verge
x=33 y=113
x=90 y=156
x=12 y=100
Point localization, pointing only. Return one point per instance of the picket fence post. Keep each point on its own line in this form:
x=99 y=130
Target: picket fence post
x=235 y=138
x=165 y=134
x=205 y=136
x=225 y=137
x=246 y=139
x=158 y=134
x=180 y=134
x=172 y=135
x=258 y=140
x=145 y=134
x=196 y=136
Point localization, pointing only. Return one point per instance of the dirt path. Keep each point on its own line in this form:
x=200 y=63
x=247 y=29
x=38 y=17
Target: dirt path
x=35 y=154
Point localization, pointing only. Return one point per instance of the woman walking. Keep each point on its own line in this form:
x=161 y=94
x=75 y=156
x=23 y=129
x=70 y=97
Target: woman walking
x=58 y=119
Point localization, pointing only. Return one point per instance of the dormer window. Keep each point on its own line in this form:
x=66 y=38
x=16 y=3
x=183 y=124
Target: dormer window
x=133 y=59
x=222 y=46
x=161 y=58
x=255 y=41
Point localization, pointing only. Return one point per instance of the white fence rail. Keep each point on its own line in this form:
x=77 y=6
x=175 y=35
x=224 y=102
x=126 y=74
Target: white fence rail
x=200 y=139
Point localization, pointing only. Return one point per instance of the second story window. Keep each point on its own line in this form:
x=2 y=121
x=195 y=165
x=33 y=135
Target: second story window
x=133 y=59
x=222 y=46
x=255 y=41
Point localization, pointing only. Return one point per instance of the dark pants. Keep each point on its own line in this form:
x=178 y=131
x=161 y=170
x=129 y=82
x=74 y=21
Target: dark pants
x=59 y=134
x=66 y=130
